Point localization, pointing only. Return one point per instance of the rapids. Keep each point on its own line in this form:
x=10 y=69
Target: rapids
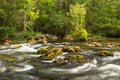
x=24 y=64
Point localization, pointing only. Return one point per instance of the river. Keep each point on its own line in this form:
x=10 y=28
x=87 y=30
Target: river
x=24 y=64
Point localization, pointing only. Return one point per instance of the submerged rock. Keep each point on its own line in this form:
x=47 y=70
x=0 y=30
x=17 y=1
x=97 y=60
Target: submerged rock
x=7 y=57
x=18 y=46
x=74 y=58
x=94 y=44
x=105 y=53
x=61 y=61
x=65 y=43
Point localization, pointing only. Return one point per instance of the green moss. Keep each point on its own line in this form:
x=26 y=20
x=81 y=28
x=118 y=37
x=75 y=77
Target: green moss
x=74 y=58
x=51 y=53
x=42 y=50
x=71 y=48
x=104 y=53
x=7 y=57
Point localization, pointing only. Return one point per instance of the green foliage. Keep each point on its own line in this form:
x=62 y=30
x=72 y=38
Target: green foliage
x=102 y=18
x=24 y=35
x=51 y=21
x=6 y=33
x=60 y=17
x=83 y=34
x=57 y=23
x=77 y=15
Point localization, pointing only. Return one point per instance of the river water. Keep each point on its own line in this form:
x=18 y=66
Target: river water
x=24 y=64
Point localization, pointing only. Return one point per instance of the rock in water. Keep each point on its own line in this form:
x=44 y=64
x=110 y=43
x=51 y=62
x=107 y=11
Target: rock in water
x=105 y=53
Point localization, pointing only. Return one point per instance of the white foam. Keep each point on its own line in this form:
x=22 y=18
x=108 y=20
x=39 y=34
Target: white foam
x=56 y=58
x=34 y=55
x=2 y=68
x=108 y=74
x=78 y=69
x=23 y=48
x=116 y=56
x=48 y=61
x=109 y=70
x=37 y=45
x=111 y=67
x=26 y=67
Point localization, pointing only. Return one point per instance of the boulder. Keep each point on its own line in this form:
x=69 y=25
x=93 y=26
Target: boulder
x=31 y=39
x=71 y=48
x=77 y=48
x=8 y=42
x=68 y=49
x=94 y=44
x=97 y=44
x=104 y=53
x=52 y=38
x=42 y=50
x=51 y=53
x=68 y=38
x=74 y=58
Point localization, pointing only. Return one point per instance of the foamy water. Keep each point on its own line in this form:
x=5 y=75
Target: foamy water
x=88 y=71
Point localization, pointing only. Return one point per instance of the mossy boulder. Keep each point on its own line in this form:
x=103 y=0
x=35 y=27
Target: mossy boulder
x=52 y=38
x=105 y=53
x=50 y=53
x=17 y=46
x=42 y=50
x=71 y=48
x=74 y=58
x=68 y=38
x=97 y=44
x=68 y=49
x=94 y=44
x=77 y=48
x=31 y=39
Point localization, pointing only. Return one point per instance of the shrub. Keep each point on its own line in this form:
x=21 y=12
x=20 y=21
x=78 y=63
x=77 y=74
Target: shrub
x=6 y=33
x=24 y=35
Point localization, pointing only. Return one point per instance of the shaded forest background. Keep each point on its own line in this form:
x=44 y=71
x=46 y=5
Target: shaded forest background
x=20 y=19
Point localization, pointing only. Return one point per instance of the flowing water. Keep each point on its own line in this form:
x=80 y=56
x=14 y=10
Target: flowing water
x=24 y=64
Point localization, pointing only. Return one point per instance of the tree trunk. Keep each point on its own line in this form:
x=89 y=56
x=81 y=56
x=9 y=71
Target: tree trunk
x=24 y=23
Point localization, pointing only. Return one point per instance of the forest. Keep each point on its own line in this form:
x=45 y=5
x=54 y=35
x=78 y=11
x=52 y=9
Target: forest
x=20 y=19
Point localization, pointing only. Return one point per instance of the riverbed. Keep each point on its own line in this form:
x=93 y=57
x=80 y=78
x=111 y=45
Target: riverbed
x=23 y=63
